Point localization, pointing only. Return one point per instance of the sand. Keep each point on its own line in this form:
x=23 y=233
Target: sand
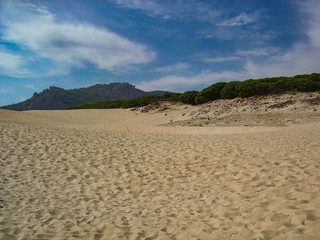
x=171 y=171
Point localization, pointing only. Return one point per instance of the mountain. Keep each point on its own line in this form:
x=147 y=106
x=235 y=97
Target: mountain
x=55 y=98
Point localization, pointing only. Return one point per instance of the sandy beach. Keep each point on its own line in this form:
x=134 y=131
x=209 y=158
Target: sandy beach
x=230 y=169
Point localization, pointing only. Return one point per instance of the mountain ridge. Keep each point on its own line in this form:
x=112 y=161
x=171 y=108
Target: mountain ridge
x=56 y=98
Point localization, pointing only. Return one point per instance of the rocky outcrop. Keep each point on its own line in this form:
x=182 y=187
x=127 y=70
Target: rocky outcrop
x=55 y=98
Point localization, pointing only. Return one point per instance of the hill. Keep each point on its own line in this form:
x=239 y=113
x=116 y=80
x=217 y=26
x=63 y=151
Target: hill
x=55 y=98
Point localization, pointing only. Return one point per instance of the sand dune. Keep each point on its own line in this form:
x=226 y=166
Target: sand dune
x=150 y=174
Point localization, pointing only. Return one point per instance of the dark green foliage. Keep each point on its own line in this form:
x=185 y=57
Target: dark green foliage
x=146 y=100
x=247 y=89
x=189 y=97
x=229 y=90
x=169 y=96
x=262 y=88
x=306 y=85
x=211 y=93
x=131 y=103
x=136 y=102
x=125 y=104
x=314 y=77
x=281 y=86
x=101 y=105
x=200 y=99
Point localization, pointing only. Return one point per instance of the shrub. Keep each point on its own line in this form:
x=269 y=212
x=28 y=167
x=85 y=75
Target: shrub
x=189 y=97
x=262 y=88
x=169 y=96
x=314 y=77
x=306 y=85
x=246 y=89
x=211 y=93
x=200 y=99
x=229 y=90
x=282 y=86
x=113 y=104
x=146 y=100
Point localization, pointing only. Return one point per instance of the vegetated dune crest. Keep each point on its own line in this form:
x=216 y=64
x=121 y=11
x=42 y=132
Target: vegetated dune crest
x=260 y=113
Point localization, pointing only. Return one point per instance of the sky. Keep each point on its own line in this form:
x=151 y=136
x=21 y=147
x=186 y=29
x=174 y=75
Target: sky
x=173 y=45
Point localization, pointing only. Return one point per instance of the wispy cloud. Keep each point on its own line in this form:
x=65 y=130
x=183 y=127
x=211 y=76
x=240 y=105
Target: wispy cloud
x=152 y=7
x=266 y=51
x=302 y=57
x=244 y=54
x=13 y=65
x=299 y=59
x=182 y=9
x=32 y=87
x=5 y=90
x=175 y=83
x=173 y=68
x=241 y=19
x=310 y=12
x=67 y=44
x=221 y=59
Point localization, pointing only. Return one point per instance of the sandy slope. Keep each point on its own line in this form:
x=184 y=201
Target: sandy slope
x=117 y=174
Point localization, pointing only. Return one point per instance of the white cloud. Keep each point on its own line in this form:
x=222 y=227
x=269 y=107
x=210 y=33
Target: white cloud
x=302 y=57
x=241 y=19
x=32 y=87
x=149 y=6
x=298 y=60
x=182 y=9
x=310 y=13
x=267 y=51
x=176 y=83
x=173 y=68
x=13 y=65
x=69 y=44
x=240 y=54
x=5 y=90
x=221 y=59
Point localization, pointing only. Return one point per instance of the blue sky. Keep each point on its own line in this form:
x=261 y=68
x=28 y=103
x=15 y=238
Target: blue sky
x=174 y=45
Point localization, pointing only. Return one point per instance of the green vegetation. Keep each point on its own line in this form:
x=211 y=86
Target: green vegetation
x=189 y=97
x=223 y=90
x=136 y=102
x=210 y=93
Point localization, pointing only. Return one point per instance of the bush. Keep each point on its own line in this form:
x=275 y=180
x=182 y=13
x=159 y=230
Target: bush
x=282 y=86
x=262 y=88
x=125 y=104
x=246 y=89
x=306 y=85
x=169 y=96
x=200 y=99
x=211 y=93
x=314 y=77
x=146 y=100
x=229 y=90
x=189 y=97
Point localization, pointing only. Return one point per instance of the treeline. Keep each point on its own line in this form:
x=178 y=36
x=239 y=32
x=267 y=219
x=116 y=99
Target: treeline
x=222 y=90
x=136 y=102
x=251 y=87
